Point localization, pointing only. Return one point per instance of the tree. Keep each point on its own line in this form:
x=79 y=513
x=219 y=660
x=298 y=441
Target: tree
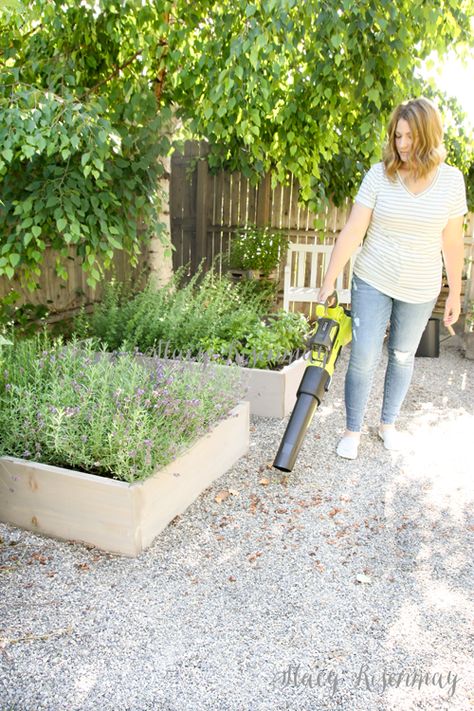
x=307 y=87
x=82 y=131
x=89 y=93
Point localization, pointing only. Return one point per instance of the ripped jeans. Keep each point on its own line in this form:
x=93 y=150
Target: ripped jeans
x=371 y=311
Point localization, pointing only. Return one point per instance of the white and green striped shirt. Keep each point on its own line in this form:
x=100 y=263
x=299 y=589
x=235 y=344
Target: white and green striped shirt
x=401 y=253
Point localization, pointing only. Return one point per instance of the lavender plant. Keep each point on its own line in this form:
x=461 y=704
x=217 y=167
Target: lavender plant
x=107 y=414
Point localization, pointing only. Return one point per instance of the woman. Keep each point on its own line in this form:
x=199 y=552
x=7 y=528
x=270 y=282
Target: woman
x=411 y=205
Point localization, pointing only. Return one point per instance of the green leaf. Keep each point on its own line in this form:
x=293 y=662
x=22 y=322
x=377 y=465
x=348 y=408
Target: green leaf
x=28 y=151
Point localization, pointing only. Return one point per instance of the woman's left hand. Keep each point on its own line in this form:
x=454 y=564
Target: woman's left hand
x=452 y=309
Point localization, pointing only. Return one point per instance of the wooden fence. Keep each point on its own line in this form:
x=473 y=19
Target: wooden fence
x=207 y=210
x=64 y=299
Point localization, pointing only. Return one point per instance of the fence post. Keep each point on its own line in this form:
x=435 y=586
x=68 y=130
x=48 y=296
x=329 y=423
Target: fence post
x=201 y=213
x=264 y=197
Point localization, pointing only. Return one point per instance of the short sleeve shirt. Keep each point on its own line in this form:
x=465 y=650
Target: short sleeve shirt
x=401 y=253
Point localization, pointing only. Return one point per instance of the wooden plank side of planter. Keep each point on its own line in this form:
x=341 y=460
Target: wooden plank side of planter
x=113 y=515
x=172 y=490
x=67 y=504
x=273 y=393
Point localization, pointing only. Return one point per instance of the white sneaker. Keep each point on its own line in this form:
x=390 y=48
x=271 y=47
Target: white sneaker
x=348 y=447
x=392 y=439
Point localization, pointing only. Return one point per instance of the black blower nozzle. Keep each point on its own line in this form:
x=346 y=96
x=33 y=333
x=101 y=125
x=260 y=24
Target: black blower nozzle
x=310 y=393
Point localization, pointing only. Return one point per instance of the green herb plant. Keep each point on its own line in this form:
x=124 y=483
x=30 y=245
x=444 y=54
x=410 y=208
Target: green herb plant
x=207 y=314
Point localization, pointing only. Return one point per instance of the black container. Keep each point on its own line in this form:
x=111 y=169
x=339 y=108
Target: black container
x=429 y=344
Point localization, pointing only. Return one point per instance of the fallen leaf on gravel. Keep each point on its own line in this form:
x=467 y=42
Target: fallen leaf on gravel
x=222 y=496
x=253 y=503
x=39 y=557
x=82 y=566
x=361 y=578
x=264 y=481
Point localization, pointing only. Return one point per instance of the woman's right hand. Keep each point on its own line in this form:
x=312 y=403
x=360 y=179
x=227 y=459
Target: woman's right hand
x=324 y=293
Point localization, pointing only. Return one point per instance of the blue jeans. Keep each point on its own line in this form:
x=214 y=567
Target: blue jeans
x=371 y=311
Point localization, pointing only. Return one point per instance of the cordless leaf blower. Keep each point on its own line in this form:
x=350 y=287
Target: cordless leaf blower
x=331 y=332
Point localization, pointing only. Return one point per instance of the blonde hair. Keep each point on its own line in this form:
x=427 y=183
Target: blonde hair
x=427 y=134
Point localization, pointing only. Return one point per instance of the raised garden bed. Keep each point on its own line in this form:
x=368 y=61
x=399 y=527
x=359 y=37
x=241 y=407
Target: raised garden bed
x=113 y=515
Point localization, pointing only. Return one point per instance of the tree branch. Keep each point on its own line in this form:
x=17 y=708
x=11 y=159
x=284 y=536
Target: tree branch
x=113 y=74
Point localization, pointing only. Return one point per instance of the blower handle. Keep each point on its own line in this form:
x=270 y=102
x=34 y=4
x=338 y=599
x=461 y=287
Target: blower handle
x=331 y=301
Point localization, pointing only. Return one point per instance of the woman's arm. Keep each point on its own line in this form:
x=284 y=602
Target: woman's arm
x=346 y=244
x=453 y=255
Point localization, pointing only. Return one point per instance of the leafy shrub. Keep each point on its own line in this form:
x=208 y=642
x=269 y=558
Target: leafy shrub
x=104 y=413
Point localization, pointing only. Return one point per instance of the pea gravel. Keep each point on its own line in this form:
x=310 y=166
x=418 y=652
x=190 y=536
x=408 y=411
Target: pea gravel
x=303 y=591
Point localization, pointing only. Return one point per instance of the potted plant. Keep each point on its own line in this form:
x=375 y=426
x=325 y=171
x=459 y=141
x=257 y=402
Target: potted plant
x=255 y=252
x=108 y=450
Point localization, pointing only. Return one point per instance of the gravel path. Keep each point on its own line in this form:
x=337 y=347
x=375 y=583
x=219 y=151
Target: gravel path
x=343 y=585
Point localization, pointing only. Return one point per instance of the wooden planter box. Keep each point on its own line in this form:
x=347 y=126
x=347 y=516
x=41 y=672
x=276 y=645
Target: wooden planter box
x=251 y=274
x=113 y=515
x=272 y=393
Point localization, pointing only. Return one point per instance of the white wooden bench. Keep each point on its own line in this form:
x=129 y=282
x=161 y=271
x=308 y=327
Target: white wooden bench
x=305 y=268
